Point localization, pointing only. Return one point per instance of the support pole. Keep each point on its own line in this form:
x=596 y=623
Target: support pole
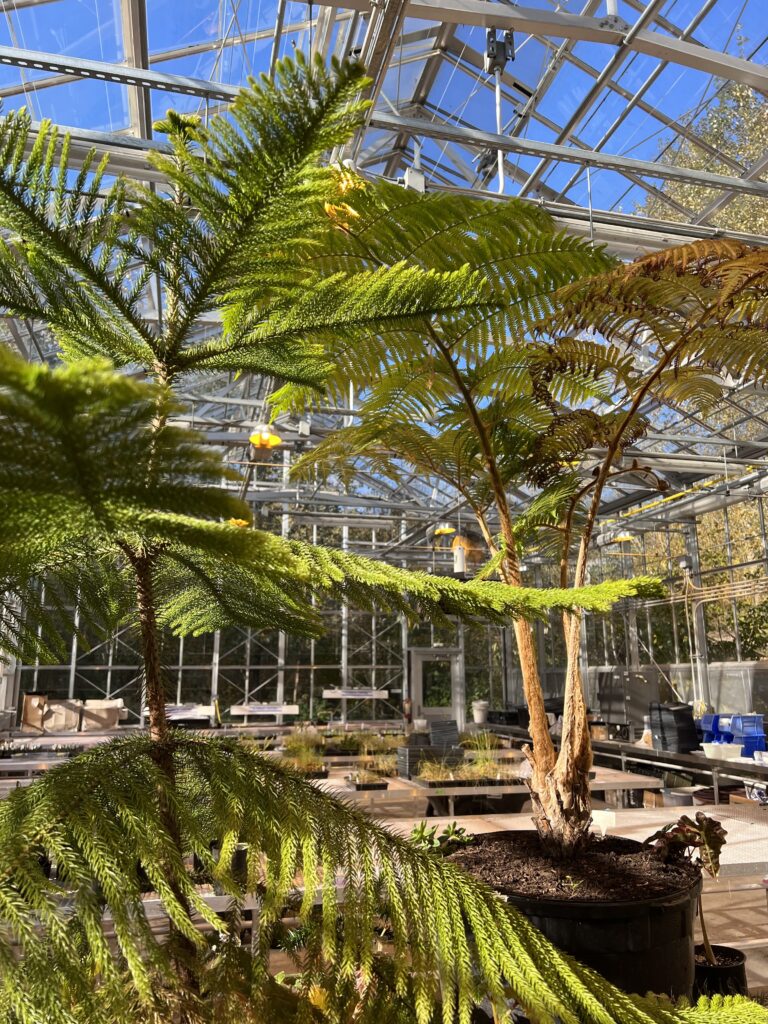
x=281 y=638
x=699 y=655
x=180 y=671
x=215 y=662
x=73 y=653
x=312 y=647
x=500 y=156
x=344 y=634
x=459 y=679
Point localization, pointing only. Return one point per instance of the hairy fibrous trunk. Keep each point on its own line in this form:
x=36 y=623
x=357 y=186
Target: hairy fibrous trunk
x=559 y=782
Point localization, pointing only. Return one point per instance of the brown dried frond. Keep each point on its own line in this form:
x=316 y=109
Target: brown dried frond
x=700 y=257
x=747 y=273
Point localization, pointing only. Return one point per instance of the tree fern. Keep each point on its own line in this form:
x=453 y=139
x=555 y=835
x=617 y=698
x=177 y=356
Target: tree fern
x=514 y=398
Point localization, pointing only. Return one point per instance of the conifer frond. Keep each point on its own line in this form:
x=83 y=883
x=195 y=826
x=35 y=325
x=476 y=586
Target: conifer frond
x=397 y=297
x=58 y=265
x=255 y=184
x=512 y=246
x=246 y=205
x=364 y=581
x=307 y=855
x=84 y=467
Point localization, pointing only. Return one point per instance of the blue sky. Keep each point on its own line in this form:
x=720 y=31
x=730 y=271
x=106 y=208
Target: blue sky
x=92 y=29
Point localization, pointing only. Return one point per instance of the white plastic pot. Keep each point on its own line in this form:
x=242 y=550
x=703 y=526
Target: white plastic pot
x=480 y=711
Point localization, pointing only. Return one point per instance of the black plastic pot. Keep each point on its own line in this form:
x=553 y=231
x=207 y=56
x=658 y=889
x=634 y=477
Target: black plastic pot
x=641 y=946
x=721 y=979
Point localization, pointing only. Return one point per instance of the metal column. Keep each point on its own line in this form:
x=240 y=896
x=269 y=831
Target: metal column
x=281 y=637
x=344 y=664
x=699 y=655
x=460 y=684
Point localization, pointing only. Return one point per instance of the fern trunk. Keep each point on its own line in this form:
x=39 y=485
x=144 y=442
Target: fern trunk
x=559 y=784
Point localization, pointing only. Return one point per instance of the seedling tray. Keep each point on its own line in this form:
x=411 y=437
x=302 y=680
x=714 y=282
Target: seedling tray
x=462 y=783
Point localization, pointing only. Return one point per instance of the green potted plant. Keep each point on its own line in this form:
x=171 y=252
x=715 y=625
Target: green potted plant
x=440 y=772
x=384 y=765
x=308 y=762
x=720 y=970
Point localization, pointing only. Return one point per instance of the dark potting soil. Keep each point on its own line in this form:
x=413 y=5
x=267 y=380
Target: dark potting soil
x=723 y=959
x=612 y=868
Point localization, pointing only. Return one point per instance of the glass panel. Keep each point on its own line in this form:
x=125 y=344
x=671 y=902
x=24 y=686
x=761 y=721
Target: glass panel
x=436 y=684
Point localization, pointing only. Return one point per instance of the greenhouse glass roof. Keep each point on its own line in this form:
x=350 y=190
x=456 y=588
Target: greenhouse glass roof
x=640 y=123
x=603 y=105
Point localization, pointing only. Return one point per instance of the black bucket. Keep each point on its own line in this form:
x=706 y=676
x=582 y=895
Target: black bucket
x=721 y=979
x=639 y=946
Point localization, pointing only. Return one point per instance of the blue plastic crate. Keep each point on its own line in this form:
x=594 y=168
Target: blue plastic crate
x=747 y=725
x=751 y=744
x=710 y=726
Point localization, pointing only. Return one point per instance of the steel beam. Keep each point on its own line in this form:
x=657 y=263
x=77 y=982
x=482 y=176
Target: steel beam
x=635 y=100
x=566 y=154
x=473 y=58
x=103 y=71
x=607 y=72
x=128 y=154
x=177 y=53
x=559 y=25
x=549 y=75
x=136 y=51
x=625 y=234
x=385 y=25
x=609 y=31
x=426 y=80
x=758 y=168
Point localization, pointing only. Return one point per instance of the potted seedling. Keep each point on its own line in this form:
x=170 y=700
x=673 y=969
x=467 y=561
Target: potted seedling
x=481 y=740
x=302 y=740
x=307 y=761
x=720 y=970
x=451 y=838
x=434 y=774
x=384 y=765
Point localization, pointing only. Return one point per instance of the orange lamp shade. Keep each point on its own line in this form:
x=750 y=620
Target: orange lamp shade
x=265 y=437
